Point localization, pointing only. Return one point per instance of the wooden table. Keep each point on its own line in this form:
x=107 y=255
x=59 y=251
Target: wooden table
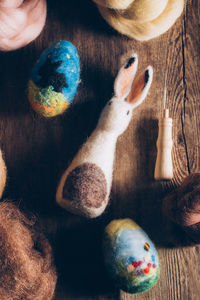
x=37 y=150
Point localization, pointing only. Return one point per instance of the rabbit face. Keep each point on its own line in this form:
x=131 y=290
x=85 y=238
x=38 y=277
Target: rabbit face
x=116 y=116
x=117 y=113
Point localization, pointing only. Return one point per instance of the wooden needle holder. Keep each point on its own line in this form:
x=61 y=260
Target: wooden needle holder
x=164 y=167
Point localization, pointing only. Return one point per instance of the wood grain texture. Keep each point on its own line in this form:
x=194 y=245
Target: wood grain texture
x=38 y=150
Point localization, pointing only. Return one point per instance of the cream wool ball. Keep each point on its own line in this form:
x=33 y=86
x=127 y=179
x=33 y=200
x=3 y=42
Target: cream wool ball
x=11 y=3
x=144 y=10
x=20 y=22
x=115 y=4
x=147 y=30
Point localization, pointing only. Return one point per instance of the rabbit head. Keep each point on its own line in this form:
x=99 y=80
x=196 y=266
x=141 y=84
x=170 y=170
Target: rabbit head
x=128 y=94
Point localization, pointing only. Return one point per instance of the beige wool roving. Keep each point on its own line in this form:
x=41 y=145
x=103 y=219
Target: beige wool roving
x=138 y=27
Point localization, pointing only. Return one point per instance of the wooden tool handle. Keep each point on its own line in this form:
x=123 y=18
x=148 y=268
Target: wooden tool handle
x=164 y=167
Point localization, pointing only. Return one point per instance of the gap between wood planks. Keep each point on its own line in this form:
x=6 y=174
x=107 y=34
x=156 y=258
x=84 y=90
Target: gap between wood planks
x=185 y=88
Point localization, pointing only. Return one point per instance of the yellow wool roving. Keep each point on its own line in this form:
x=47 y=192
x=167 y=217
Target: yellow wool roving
x=115 y=4
x=143 y=19
x=144 y=10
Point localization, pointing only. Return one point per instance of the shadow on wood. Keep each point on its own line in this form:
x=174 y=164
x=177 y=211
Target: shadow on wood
x=79 y=14
x=79 y=260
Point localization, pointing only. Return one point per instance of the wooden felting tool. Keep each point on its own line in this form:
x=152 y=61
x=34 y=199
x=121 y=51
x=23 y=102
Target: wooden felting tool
x=164 y=167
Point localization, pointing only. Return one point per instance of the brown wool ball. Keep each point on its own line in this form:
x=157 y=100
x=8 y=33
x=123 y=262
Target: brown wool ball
x=182 y=211
x=26 y=267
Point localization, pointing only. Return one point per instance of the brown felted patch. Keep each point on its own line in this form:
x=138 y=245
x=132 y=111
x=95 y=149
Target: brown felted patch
x=26 y=266
x=86 y=185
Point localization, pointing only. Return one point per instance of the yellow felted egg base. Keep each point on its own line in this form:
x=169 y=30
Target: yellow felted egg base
x=45 y=101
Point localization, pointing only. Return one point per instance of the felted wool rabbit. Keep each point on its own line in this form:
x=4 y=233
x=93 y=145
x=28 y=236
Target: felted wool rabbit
x=84 y=187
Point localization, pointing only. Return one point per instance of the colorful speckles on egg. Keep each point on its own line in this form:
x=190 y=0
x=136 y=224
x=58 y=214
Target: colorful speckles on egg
x=140 y=267
x=134 y=264
x=153 y=257
x=131 y=259
x=132 y=268
x=54 y=79
x=146 y=270
x=147 y=258
x=140 y=272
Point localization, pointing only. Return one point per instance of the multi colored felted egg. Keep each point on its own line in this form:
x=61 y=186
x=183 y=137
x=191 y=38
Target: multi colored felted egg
x=130 y=256
x=54 y=79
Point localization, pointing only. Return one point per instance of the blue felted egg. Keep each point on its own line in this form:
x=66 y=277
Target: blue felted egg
x=130 y=256
x=54 y=79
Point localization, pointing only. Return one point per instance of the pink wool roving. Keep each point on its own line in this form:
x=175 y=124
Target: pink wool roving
x=20 y=22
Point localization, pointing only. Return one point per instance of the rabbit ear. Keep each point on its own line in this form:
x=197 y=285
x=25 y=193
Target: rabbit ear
x=125 y=77
x=140 y=87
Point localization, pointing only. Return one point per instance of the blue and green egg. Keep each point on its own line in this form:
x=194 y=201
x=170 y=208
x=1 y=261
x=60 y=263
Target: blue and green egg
x=130 y=256
x=54 y=79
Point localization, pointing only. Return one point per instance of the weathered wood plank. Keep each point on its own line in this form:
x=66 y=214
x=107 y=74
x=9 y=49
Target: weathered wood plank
x=179 y=271
x=38 y=150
